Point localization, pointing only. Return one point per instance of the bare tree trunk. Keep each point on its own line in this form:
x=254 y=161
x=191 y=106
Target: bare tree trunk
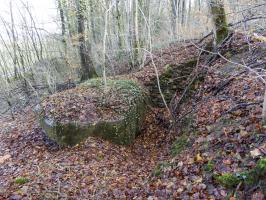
x=71 y=21
x=31 y=33
x=87 y=68
x=219 y=20
x=136 y=44
x=3 y=67
x=183 y=11
x=63 y=23
x=174 y=16
x=189 y=13
x=106 y=21
x=199 y=4
x=40 y=54
x=119 y=25
x=14 y=42
x=92 y=21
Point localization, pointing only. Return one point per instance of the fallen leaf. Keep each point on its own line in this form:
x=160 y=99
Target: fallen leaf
x=4 y=158
x=180 y=190
x=199 y=158
x=227 y=162
x=198 y=180
x=223 y=193
x=243 y=133
x=255 y=153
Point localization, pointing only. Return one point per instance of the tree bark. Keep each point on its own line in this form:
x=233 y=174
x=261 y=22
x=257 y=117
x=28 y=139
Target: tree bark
x=87 y=68
x=14 y=42
x=119 y=26
x=183 y=11
x=92 y=20
x=219 y=20
x=135 y=43
x=62 y=18
x=174 y=16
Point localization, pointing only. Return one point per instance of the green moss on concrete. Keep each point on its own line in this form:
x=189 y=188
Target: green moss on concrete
x=173 y=79
x=121 y=130
x=124 y=85
x=219 y=18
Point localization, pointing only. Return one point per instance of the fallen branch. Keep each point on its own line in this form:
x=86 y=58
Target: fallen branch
x=224 y=84
x=231 y=25
x=241 y=106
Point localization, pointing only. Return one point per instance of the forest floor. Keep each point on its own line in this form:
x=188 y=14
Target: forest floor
x=219 y=131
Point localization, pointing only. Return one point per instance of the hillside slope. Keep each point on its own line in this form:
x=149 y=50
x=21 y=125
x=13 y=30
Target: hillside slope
x=218 y=131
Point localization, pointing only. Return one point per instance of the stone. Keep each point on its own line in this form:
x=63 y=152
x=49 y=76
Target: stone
x=173 y=78
x=120 y=129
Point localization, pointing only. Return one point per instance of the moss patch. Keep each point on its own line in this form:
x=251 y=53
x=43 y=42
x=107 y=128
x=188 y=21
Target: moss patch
x=219 y=18
x=179 y=145
x=210 y=166
x=172 y=79
x=160 y=168
x=22 y=180
x=248 y=178
x=228 y=180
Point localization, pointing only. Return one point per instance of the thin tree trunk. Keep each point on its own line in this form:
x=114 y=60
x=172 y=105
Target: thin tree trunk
x=135 y=39
x=219 y=20
x=183 y=11
x=4 y=70
x=174 y=16
x=40 y=54
x=92 y=21
x=189 y=14
x=119 y=26
x=63 y=23
x=87 y=68
x=14 y=42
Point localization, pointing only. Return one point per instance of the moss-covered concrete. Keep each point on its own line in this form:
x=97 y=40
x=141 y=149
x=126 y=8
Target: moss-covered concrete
x=219 y=19
x=120 y=130
x=173 y=79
